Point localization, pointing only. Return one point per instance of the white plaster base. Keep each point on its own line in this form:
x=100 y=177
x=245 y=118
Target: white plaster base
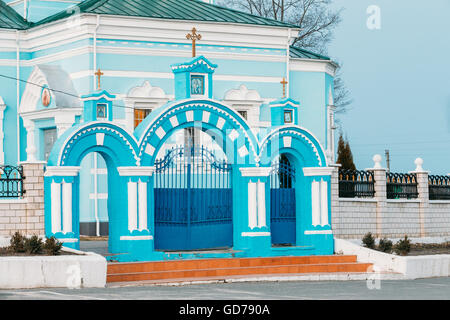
x=84 y=270
x=413 y=267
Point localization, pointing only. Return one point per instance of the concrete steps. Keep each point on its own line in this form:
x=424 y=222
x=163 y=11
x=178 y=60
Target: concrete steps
x=217 y=269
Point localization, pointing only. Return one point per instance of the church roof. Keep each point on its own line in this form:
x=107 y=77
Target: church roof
x=298 y=53
x=10 y=19
x=194 y=10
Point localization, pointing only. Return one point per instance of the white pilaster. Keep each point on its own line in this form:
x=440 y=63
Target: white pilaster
x=143 y=225
x=315 y=203
x=67 y=207
x=261 y=186
x=132 y=206
x=252 y=205
x=56 y=207
x=323 y=203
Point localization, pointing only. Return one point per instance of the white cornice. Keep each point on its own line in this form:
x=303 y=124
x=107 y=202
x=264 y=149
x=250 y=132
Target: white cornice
x=255 y=171
x=135 y=171
x=317 y=171
x=62 y=171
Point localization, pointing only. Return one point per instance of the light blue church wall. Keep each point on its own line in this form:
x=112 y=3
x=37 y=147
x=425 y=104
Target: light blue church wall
x=308 y=88
x=8 y=93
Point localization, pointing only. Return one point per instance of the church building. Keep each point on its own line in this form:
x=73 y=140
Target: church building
x=169 y=126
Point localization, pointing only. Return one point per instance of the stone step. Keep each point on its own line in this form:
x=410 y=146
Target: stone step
x=172 y=271
x=114 y=268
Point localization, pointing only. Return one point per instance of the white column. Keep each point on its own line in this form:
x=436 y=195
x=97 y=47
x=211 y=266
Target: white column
x=2 y=135
x=143 y=206
x=252 y=205
x=132 y=206
x=56 y=206
x=31 y=146
x=261 y=204
x=67 y=207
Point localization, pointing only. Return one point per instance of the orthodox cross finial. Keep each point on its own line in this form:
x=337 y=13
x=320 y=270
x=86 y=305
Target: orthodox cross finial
x=284 y=83
x=98 y=74
x=194 y=36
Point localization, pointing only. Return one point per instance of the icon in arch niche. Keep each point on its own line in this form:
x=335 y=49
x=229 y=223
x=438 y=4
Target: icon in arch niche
x=197 y=84
x=46 y=98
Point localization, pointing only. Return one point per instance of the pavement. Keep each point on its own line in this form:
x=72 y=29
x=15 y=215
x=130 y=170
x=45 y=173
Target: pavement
x=422 y=289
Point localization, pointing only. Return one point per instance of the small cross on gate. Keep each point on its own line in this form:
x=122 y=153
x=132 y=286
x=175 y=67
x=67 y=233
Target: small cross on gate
x=194 y=36
x=284 y=83
x=98 y=74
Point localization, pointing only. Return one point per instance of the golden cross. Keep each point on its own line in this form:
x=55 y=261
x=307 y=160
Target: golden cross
x=194 y=37
x=98 y=74
x=284 y=83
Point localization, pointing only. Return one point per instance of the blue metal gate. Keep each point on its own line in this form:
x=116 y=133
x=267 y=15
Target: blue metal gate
x=282 y=203
x=193 y=200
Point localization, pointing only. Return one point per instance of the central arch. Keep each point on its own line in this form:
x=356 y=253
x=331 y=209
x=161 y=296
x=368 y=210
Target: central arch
x=227 y=127
x=199 y=214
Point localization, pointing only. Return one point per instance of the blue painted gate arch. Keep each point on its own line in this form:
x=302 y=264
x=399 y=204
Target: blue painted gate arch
x=131 y=163
x=62 y=182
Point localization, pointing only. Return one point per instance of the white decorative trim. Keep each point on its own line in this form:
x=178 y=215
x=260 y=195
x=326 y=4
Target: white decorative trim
x=62 y=171
x=135 y=171
x=243 y=94
x=317 y=171
x=255 y=171
x=287 y=141
x=243 y=151
x=255 y=234
x=100 y=138
x=309 y=232
x=136 y=238
x=95 y=98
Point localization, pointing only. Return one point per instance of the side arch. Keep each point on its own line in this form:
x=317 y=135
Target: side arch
x=103 y=137
x=293 y=140
x=213 y=117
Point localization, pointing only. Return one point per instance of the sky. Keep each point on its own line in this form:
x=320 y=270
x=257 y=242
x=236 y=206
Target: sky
x=398 y=78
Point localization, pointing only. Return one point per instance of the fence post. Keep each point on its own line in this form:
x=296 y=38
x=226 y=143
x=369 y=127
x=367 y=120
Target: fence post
x=379 y=174
x=33 y=184
x=334 y=194
x=424 y=193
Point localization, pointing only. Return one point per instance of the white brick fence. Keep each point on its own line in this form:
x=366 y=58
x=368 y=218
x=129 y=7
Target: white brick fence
x=352 y=218
x=27 y=213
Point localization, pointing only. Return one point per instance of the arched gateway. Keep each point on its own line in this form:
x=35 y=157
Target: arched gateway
x=190 y=197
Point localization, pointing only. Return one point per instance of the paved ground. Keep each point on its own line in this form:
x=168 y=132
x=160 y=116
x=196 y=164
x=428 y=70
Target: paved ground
x=423 y=289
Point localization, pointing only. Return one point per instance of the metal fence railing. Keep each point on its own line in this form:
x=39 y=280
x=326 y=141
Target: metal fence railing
x=439 y=187
x=356 y=184
x=11 y=182
x=401 y=186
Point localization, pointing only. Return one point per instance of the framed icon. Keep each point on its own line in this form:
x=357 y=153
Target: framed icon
x=288 y=116
x=46 y=98
x=197 y=85
x=102 y=111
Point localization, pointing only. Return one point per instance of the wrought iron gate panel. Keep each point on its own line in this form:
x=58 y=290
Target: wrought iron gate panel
x=282 y=203
x=193 y=200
